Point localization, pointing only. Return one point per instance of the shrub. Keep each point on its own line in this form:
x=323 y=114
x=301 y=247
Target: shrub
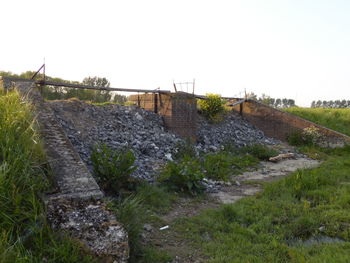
x=212 y=107
x=113 y=168
x=218 y=166
x=260 y=151
x=309 y=136
x=184 y=175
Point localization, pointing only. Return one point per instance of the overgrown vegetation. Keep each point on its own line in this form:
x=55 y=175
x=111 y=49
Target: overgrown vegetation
x=24 y=233
x=184 y=175
x=264 y=228
x=187 y=171
x=260 y=151
x=336 y=119
x=212 y=107
x=113 y=168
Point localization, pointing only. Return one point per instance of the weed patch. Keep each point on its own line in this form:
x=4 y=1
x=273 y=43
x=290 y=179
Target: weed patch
x=113 y=168
x=184 y=175
x=259 y=228
x=24 y=233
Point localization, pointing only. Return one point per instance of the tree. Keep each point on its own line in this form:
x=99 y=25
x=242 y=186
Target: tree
x=120 y=99
x=96 y=82
x=98 y=95
x=278 y=103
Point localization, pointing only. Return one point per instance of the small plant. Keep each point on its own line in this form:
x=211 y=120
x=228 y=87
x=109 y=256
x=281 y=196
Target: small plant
x=218 y=166
x=260 y=151
x=184 y=175
x=155 y=197
x=184 y=148
x=309 y=136
x=132 y=214
x=212 y=107
x=113 y=168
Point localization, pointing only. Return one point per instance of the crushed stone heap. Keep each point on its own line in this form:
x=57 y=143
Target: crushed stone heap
x=234 y=129
x=144 y=132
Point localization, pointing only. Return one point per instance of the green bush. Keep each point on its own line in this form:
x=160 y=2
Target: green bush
x=309 y=136
x=113 y=168
x=218 y=166
x=183 y=175
x=296 y=139
x=212 y=107
x=260 y=151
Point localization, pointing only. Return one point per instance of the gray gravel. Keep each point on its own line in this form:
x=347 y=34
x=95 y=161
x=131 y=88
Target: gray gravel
x=144 y=132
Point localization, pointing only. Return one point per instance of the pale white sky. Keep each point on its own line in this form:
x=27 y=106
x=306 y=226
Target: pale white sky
x=297 y=49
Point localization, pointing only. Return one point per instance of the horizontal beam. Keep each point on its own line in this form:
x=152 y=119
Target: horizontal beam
x=79 y=86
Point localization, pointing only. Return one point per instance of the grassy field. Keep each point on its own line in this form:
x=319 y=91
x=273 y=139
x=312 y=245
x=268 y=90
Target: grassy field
x=266 y=227
x=336 y=119
x=280 y=223
x=24 y=233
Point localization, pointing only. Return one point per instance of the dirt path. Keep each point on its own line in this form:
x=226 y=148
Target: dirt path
x=247 y=184
x=244 y=184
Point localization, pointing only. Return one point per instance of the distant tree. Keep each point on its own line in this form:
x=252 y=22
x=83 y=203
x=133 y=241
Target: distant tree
x=278 y=103
x=318 y=104
x=98 y=95
x=120 y=99
x=291 y=103
x=313 y=104
x=252 y=96
x=96 y=82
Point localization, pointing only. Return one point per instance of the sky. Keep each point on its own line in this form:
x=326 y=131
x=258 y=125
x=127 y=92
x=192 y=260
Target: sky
x=298 y=49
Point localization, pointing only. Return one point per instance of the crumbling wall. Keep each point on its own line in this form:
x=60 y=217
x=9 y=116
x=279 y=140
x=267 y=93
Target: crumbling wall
x=179 y=111
x=75 y=207
x=279 y=124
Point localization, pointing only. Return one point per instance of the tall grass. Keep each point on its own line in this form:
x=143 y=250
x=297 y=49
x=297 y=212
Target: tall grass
x=263 y=228
x=24 y=233
x=336 y=119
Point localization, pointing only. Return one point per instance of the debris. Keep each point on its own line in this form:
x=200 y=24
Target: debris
x=147 y=227
x=163 y=228
x=282 y=157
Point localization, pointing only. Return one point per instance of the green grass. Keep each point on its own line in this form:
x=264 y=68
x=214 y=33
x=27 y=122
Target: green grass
x=336 y=119
x=24 y=233
x=259 y=228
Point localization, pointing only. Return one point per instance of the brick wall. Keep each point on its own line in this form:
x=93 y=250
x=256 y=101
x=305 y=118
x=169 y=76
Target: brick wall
x=179 y=111
x=279 y=124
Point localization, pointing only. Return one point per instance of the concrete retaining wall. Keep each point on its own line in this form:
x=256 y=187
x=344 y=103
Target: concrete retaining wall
x=76 y=207
x=279 y=124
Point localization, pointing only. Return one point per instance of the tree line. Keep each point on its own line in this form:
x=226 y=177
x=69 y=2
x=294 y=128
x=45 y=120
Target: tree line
x=330 y=104
x=273 y=102
x=63 y=93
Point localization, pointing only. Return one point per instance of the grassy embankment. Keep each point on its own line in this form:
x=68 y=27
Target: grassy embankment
x=308 y=203
x=336 y=119
x=24 y=233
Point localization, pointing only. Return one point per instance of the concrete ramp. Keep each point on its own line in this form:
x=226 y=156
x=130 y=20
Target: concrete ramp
x=76 y=208
x=73 y=179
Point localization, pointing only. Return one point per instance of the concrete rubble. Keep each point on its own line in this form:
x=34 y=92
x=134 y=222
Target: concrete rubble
x=93 y=225
x=144 y=132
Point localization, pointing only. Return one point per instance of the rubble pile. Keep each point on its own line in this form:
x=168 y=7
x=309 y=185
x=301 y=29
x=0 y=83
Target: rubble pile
x=143 y=131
